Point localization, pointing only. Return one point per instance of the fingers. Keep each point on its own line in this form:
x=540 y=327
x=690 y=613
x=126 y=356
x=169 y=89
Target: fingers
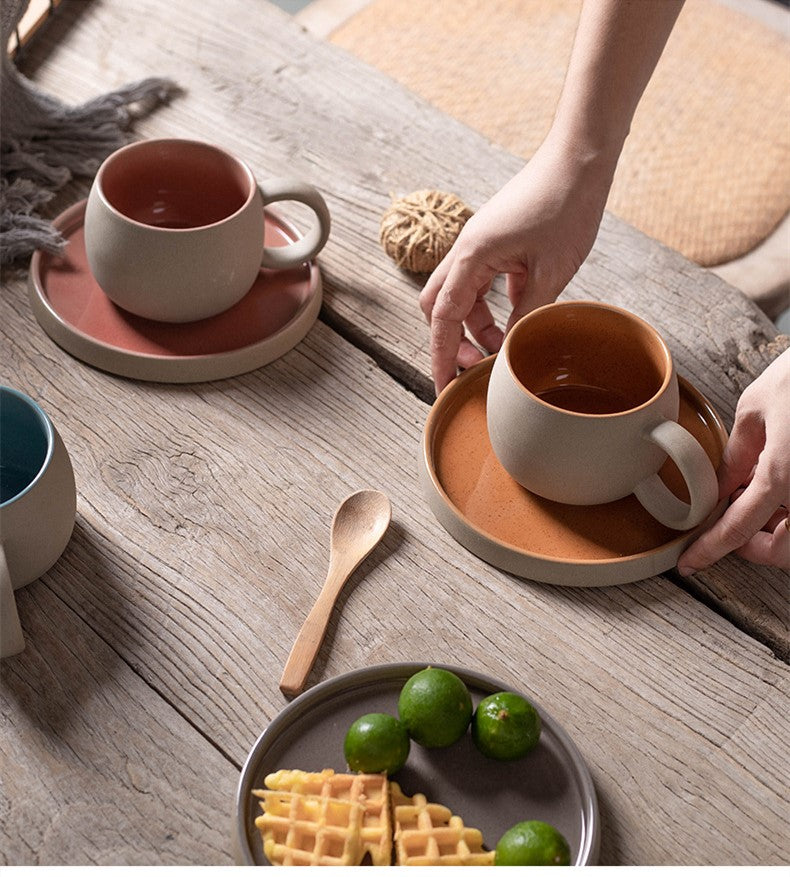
x=446 y=337
x=741 y=453
x=468 y=354
x=778 y=517
x=770 y=548
x=517 y=292
x=737 y=526
x=452 y=296
x=432 y=286
x=749 y=525
x=482 y=327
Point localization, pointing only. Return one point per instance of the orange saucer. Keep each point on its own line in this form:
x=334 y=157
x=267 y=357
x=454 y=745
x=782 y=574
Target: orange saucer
x=273 y=317
x=489 y=513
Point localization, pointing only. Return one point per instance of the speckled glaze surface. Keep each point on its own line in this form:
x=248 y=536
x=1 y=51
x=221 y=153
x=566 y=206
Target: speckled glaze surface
x=582 y=408
x=270 y=320
x=174 y=228
x=493 y=516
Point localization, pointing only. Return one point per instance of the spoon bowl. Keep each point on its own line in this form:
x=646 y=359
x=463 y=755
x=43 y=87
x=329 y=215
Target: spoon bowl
x=358 y=525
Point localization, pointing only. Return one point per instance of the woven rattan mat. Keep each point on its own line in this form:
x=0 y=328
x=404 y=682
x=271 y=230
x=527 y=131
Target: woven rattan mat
x=706 y=168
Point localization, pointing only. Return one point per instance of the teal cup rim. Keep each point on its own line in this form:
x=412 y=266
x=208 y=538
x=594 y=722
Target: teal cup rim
x=47 y=430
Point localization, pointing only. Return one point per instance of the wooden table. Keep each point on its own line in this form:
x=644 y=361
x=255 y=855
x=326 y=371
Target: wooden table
x=155 y=644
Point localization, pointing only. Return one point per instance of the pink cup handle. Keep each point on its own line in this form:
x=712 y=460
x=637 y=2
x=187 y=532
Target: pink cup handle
x=11 y=639
x=284 y=189
x=697 y=470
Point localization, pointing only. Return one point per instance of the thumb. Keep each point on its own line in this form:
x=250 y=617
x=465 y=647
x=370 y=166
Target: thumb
x=740 y=453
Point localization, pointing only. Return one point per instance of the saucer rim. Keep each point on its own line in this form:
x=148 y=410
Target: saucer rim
x=548 y=569
x=168 y=368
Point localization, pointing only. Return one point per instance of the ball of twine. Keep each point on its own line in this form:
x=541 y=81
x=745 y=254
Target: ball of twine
x=418 y=230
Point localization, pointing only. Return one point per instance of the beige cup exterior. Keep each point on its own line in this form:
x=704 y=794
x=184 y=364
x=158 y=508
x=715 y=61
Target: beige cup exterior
x=587 y=459
x=34 y=531
x=184 y=274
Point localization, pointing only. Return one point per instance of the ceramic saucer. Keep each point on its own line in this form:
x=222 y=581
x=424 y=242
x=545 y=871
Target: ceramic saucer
x=551 y=783
x=271 y=319
x=490 y=514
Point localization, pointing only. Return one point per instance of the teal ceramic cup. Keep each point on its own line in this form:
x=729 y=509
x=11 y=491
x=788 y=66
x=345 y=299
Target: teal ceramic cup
x=38 y=503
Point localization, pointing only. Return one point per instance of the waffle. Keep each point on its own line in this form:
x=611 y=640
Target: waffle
x=430 y=834
x=325 y=818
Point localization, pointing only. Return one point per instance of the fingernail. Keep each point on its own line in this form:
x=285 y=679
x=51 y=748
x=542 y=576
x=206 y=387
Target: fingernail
x=686 y=570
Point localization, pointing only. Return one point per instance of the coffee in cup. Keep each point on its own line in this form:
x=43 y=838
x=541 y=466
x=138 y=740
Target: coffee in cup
x=582 y=408
x=174 y=229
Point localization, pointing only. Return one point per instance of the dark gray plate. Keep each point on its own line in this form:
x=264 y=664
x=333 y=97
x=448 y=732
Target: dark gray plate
x=551 y=783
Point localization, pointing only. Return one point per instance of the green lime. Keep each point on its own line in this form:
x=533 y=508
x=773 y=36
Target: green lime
x=532 y=843
x=505 y=726
x=376 y=743
x=435 y=707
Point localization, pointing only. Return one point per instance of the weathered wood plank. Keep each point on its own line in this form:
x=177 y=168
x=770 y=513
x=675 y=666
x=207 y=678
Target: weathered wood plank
x=95 y=767
x=35 y=16
x=203 y=521
x=360 y=137
x=204 y=511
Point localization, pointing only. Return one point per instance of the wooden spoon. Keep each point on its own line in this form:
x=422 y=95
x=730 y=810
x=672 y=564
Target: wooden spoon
x=357 y=527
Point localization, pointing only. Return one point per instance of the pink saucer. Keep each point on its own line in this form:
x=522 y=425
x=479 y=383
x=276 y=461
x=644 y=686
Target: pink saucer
x=72 y=309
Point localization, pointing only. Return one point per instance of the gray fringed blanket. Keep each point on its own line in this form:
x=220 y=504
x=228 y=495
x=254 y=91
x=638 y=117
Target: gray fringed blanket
x=44 y=143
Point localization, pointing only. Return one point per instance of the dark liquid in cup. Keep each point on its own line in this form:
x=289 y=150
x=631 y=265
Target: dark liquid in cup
x=13 y=480
x=585 y=399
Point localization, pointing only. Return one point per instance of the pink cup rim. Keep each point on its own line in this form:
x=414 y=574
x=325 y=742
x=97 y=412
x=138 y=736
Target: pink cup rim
x=141 y=145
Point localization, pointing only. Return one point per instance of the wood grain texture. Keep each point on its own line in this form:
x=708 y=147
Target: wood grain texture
x=358 y=525
x=290 y=104
x=202 y=541
x=204 y=510
x=35 y=17
x=95 y=768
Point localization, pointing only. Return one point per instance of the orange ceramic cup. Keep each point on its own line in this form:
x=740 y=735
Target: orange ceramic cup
x=582 y=408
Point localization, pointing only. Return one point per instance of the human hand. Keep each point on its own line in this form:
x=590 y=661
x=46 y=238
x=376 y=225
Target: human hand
x=538 y=229
x=755 y=474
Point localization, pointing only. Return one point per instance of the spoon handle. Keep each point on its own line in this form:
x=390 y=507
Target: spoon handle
x=308 y=641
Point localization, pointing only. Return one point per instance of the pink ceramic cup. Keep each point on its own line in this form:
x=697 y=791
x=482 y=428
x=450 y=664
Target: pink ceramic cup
x=582 y=408
x=174 y=229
